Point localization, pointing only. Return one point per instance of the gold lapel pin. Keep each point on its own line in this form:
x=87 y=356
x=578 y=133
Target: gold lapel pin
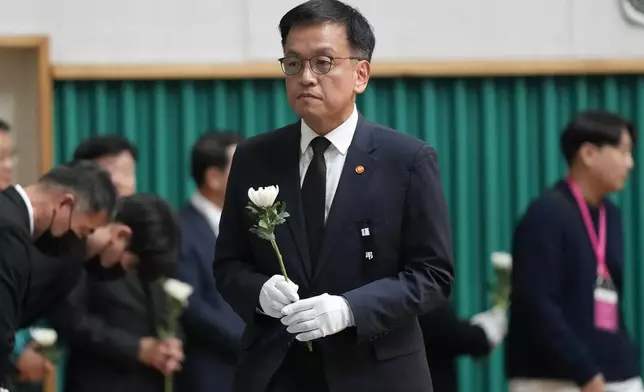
x=359 y=169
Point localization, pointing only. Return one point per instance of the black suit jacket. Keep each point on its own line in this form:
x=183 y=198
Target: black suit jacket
x=399 y=198
x=103 y=322
x=446 y=338
x=16 y=252
x=212 y=329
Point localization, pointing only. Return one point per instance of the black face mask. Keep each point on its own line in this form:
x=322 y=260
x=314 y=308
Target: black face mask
x=68 y=245
x=99 y=273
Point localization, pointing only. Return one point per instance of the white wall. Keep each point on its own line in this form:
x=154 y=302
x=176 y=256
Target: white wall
x=19 y=106
x=200 y=31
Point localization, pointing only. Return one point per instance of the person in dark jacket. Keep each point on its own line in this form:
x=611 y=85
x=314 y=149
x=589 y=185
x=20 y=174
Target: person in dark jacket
x=448 y=337
x=566 y=329
x=212 y=329
x=113 y=341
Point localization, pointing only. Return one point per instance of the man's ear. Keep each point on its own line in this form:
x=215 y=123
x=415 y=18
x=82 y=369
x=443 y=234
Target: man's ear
x=68 y=198
x=587 y=153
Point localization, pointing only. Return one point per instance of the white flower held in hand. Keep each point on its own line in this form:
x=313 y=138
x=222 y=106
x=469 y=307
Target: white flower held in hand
x=263 y=197
x=178 y=290
x=502 y=260
x=45 y=337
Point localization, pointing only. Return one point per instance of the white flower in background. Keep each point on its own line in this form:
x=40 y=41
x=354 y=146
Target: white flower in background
x=178 y=290
x=502 y=260
x=177 y=293
x=45 y=337
x=263 y=197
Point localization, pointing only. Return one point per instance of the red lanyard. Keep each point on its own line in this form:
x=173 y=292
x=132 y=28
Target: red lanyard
x=598 y=244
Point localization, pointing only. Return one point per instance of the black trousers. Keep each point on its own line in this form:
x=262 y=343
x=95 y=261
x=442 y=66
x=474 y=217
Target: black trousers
x=301 y=371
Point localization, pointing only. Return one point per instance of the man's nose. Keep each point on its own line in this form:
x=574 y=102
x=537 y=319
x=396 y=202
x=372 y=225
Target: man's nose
x=308 y=77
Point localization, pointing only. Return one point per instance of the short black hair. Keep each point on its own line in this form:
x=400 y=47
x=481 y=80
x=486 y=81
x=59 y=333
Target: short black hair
x=92 y=185
x=359 y=31
x=97 y=147
x=156 y=237
x=596 y=127
x=4 y=126
x=211 y=150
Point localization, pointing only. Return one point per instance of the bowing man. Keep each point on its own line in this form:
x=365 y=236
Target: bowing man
x=69 y=198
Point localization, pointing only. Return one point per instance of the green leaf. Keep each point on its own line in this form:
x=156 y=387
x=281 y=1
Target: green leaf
x=262 y=233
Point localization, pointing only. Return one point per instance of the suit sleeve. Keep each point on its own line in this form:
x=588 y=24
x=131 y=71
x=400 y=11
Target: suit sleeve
x=84 y=330
x=237 y=279
x=14 y=261
x=448 y=335
x=212 y=326
x=425 y=279
x=538 y=254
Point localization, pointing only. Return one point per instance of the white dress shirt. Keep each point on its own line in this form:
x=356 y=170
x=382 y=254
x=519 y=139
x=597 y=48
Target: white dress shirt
x=207 y=209
x=334 y=156
x=30 y=209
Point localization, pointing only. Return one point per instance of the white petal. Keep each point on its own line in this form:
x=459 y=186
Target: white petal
x=177 y=289
x=502 y=260
x=253 y=196
x=45 y=337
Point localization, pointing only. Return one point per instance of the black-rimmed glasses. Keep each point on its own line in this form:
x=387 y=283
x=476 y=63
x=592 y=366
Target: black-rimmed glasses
x=320 y=65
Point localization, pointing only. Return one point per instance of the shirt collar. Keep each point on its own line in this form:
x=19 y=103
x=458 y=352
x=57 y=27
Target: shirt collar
x=211 y=212
x=340 y=137
x=30 y=208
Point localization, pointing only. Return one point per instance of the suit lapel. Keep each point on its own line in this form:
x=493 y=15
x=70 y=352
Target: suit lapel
x=290 y=193
x=359 y=168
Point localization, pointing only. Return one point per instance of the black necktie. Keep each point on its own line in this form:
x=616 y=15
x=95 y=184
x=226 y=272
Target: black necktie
x=314 y=196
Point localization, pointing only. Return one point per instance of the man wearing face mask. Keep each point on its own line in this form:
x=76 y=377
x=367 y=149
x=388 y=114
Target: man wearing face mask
x=68 y=199
x=107 y=342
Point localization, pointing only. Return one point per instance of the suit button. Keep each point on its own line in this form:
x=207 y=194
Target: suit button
x=315 y=293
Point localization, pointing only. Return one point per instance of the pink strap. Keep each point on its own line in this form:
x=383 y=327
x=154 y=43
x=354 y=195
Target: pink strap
x=598 y=244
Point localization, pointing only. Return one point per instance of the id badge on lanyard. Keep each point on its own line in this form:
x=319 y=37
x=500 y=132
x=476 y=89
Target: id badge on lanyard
x=605 y=294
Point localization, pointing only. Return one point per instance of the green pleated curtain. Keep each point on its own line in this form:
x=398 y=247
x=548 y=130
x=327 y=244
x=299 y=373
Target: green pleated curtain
x=497 y=143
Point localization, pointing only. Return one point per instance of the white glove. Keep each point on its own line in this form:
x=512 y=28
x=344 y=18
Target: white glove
x=277 y=293
x=317 y=317
x=494 y=323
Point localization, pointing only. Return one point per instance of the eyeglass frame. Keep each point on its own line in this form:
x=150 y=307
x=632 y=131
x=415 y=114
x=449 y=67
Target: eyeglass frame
x=301 y=60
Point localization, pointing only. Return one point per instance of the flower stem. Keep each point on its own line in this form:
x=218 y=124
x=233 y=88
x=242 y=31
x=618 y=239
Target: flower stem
x=283 y=268
x=279 y=259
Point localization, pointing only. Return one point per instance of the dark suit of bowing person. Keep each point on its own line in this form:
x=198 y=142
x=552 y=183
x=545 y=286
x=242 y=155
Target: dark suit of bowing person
x=69 y=199
x=367 y=245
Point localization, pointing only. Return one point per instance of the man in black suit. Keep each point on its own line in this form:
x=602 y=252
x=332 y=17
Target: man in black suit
x=367 y=244
x=212 y=329
x=73 y=199
x=112 y=325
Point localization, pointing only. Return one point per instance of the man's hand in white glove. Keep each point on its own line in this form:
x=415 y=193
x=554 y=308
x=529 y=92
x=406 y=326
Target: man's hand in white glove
x=494 y=323
x=277 y=293
x=317 y=317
